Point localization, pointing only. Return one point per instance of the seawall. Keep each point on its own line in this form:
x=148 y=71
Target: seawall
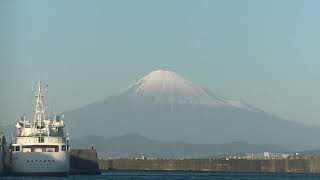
x=84 y=161
x=311 y=165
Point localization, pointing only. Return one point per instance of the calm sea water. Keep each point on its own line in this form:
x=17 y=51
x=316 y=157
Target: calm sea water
x=175 y=175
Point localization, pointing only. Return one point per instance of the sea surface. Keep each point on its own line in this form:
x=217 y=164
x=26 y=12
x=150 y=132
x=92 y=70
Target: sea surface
x=175 y=175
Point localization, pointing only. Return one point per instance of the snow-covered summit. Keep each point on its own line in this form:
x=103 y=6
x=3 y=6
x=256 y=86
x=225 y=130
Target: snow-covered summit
x=162 y=86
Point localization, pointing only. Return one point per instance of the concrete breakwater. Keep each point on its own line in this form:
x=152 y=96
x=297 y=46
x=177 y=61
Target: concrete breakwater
x=84 y=161
x=309 y=165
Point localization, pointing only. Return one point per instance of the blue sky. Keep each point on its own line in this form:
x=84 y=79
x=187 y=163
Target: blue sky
x=264 y=52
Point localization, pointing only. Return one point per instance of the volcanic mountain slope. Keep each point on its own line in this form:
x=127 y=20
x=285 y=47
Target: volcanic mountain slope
x=165 y=106
x=166 y=87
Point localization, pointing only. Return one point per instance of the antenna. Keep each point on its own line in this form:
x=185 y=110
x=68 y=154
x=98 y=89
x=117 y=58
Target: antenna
x=39 y=116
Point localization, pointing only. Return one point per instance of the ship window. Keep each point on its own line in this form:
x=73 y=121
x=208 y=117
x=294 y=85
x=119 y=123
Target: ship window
x=51 y=149
x=37 y=149
x=63 y=148
x=68 y=148
x=16 y=148
x=26 y=149
x=41 y=139
x=42 y=148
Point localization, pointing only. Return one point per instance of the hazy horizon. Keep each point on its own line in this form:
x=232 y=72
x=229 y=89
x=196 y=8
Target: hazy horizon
x=263 y=52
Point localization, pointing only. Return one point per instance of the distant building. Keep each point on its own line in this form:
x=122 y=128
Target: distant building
x=262 y=155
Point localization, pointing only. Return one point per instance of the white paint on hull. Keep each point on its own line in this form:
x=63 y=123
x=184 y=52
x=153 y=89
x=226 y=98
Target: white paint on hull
x=41 y=162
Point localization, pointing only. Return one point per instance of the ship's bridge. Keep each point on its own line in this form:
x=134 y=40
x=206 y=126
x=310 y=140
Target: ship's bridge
x=40 y=144
x=40 y=139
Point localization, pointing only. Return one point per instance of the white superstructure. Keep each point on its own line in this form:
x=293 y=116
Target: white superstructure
x=41 y=146
x=2 y=144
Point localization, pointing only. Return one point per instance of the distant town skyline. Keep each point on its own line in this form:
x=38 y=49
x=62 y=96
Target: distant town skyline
x=263 y=52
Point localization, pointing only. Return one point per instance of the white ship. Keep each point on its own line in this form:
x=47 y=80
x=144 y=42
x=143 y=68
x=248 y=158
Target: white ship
x=2 y=144
x=41 y=146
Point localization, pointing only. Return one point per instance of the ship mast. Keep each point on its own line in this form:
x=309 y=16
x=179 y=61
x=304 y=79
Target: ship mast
x=39 y=116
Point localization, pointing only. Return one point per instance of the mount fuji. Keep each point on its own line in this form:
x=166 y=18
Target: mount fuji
x=166 y=87
x=164 y=106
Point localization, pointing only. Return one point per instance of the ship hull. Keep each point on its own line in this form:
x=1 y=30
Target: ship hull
x=40 y=163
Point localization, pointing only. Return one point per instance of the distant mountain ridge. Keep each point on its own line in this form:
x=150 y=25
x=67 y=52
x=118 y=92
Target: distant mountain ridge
x=134 y=145
x=164 y=106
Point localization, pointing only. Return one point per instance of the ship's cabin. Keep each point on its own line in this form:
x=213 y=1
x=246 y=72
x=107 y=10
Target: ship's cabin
x=40 y=148
x=40 y=144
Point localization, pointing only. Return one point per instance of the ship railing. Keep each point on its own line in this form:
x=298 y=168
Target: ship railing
x=40 y=139
x=54 y=140
x=23 y=140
